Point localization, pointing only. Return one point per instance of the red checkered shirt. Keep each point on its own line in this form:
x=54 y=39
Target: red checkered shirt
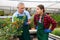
x=47 y=21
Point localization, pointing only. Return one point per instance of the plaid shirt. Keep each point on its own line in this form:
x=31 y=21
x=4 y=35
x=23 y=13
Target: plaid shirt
x=47 y=21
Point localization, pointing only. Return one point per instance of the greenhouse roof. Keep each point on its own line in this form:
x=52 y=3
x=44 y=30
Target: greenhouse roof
x=55 y=4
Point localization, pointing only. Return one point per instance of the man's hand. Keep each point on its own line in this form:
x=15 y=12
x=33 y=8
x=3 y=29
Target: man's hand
x=26 y=24
x=29 y=21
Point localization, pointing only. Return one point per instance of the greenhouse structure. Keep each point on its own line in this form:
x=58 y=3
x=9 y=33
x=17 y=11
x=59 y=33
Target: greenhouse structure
x=9 y=7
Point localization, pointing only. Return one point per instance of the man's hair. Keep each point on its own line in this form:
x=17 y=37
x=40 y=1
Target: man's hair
x=20 y=4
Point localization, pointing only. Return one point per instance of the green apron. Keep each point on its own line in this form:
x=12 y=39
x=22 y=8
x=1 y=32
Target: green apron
x=40 y=31
x=25 y=35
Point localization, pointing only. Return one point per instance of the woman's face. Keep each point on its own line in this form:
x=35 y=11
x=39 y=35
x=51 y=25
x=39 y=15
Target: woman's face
x=38 y=10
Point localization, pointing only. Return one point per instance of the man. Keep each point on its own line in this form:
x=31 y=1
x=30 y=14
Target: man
x=20 y=13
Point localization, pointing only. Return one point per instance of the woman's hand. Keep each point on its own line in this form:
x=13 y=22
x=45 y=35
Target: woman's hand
x=47 y=31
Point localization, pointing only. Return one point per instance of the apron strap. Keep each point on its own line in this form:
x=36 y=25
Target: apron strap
x=25 y=13
x=17 y=15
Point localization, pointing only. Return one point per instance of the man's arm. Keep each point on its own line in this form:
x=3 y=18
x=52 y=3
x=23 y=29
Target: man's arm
x=28 y=15
x=29 y=21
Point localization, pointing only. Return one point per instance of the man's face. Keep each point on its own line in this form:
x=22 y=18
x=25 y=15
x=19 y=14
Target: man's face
x=21 y=8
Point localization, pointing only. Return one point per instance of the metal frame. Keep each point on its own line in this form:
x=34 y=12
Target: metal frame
x=40 y=1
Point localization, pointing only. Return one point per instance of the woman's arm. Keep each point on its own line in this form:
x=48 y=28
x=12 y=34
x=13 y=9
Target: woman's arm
x=53 y=22
x=35 y=23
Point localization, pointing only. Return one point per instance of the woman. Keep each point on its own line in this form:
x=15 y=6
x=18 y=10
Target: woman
x=42 y=23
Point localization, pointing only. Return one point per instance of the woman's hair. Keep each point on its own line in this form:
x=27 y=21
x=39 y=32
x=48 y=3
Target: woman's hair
x=41 y=7
x=47 y=13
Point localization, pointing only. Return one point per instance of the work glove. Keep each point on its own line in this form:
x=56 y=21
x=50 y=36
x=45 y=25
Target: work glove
x=25 y=24
x=36 y=27
x=47 y=31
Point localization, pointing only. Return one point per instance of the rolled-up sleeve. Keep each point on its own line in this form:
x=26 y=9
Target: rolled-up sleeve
x=14 y=15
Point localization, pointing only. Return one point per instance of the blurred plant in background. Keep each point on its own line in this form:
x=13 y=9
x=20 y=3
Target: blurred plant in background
x=57 y=18
x=1 y=13
x=56 y=32
x=32 y=26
